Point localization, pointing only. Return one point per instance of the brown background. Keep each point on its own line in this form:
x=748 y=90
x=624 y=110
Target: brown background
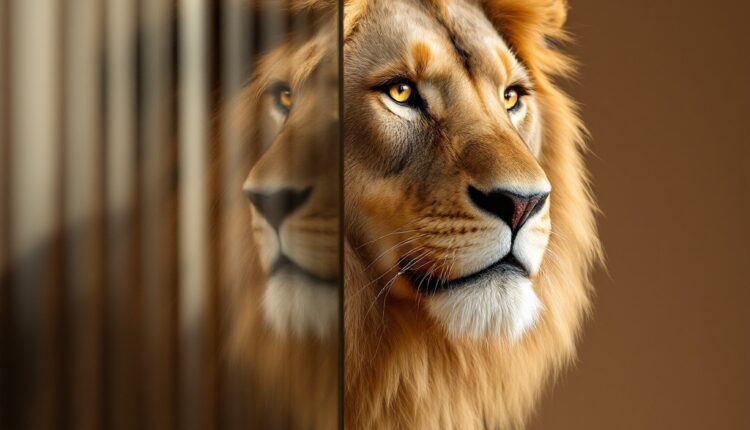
x=665 y=92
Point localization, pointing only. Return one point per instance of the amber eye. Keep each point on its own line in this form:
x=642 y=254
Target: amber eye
x=400 y=92
x=512 y=97
x=284 y=99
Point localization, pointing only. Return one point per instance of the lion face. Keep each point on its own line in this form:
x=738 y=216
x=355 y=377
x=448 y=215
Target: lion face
x=293 y=187
x=446 y=199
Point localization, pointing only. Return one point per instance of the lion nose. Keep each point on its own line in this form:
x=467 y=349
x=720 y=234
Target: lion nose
x=278 y=205
x=513 y=208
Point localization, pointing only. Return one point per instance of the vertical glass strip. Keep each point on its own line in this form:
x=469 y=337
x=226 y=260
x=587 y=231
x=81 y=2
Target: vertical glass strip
x=122 y=409
x=5 y=306
x=284 y=335
x=82 y=209
x=236 y=40
x=157 y=251
x=4 y=269
x=193 y=138
x=33 y=212
x=3 y=156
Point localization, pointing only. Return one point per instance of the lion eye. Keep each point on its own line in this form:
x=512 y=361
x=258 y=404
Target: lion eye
x=512 y=97
x=284 y=98
x=400 y=92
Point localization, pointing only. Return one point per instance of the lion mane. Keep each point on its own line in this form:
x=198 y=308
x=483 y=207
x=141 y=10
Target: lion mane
x=403 y=372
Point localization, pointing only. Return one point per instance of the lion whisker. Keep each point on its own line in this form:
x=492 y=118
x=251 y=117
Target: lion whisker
x=396 y=231
x=393 y=280
x=403 y=242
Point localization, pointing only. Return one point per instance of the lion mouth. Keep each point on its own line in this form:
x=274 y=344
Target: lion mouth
x=429 y=284
x=284 y=264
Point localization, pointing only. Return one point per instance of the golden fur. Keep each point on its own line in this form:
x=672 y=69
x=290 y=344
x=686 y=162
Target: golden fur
x=404 y=369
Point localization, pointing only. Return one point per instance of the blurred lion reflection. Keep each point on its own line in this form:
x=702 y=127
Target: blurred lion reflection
x=285 y=310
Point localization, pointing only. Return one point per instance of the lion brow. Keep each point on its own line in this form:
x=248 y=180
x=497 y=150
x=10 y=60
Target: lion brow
x=458 y=47
x=421 y=54
x=310 y=65
x=440 y=13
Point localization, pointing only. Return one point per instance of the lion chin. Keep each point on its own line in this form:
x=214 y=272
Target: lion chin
x=507 y=307
x=296 y=304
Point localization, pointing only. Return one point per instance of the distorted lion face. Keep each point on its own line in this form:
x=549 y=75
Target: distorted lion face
x=446 y=200
x=293 y=186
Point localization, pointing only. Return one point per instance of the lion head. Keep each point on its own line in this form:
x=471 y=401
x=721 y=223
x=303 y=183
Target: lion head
x=444 y=182
x=469 y=221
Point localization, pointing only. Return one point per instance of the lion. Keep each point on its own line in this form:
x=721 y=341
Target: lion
x=283 y=333
x=469 y=222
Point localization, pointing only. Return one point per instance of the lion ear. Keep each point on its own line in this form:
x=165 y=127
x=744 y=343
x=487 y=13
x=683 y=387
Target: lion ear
x=531 y=26
x=528 y=18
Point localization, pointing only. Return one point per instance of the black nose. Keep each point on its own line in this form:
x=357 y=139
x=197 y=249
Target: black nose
x=276 y=206
x=510 y=207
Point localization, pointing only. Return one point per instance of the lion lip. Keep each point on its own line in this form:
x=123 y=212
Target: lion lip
x=426 y=283
x=284 y=263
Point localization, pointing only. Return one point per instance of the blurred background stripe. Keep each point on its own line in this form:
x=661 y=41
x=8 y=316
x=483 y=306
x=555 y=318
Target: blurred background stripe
x=35 y=213
x=113 y=246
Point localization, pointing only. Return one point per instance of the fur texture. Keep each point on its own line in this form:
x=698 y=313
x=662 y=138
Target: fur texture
x=481 y=358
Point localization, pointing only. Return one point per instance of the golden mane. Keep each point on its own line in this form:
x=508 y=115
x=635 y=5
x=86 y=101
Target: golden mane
x=400 y=370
